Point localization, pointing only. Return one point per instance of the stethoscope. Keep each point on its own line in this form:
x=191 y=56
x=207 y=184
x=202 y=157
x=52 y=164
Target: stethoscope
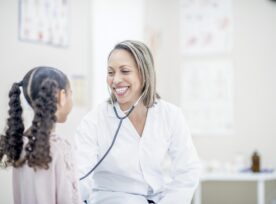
x=127 y=113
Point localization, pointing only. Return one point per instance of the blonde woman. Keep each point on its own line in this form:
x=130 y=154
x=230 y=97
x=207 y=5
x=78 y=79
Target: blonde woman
x=126 y=139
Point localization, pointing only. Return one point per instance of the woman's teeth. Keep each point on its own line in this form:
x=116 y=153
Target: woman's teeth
x=121 y=90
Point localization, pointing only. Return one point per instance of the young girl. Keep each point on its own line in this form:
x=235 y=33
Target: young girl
x=43 y=169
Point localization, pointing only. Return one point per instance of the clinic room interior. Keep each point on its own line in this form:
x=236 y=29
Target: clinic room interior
x=215 y=59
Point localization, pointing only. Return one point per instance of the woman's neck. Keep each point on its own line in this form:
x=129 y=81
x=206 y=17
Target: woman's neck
x=138 y=118
x=140 y=111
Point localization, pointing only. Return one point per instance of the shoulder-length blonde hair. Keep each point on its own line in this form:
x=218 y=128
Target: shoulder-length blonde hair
x=144 y=60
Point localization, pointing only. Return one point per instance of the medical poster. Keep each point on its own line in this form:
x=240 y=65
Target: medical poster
x=205 y=27
x=207 y=97
x=44 y=21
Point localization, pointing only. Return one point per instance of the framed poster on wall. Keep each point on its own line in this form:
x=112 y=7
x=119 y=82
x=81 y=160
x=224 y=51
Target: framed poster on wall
x=207 y=97
x=44 y=21
x=206 y=27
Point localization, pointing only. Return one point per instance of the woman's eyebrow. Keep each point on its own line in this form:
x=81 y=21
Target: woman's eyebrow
x=127 y=66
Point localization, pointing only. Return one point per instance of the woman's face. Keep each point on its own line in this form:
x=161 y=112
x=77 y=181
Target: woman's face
x=124 y=78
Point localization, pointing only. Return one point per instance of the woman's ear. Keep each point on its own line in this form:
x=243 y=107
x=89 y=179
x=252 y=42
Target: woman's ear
x=62 y=97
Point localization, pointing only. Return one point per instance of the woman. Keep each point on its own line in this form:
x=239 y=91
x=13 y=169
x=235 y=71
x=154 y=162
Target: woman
x=133 y=171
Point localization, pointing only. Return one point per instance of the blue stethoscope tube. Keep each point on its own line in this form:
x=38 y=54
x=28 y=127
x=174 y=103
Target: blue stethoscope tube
x=116 y=133
x=113 y=141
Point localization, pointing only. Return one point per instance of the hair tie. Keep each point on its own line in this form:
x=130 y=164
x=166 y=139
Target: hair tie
x=19 y=83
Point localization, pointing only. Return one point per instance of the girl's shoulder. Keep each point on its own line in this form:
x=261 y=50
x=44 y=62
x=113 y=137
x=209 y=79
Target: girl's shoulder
x=60 y=146
x=57 y=139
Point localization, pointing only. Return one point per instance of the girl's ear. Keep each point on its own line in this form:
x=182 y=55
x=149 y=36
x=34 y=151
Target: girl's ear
x=62 y=97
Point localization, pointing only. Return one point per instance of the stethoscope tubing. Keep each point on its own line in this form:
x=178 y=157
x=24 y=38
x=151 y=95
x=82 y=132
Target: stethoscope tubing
x=113 y=141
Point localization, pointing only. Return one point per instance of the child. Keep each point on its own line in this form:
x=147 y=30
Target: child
x=43 y=169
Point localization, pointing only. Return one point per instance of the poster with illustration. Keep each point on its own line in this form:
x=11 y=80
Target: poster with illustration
x=44 y=21
x=207 y=96
x=206 y=27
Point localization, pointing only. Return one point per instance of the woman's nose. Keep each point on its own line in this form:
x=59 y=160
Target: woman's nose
x=117 y=78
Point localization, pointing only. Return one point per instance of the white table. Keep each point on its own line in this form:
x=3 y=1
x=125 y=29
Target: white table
x=260 y=178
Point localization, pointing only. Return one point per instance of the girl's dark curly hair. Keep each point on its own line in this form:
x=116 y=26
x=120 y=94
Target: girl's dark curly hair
x=11 y=144
x=40 y=87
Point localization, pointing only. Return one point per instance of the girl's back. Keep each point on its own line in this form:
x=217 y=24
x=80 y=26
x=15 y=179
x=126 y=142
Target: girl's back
x=43 y=168
x=58 y=184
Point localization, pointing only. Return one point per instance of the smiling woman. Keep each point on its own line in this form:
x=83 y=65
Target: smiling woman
x=132 y=171
x=124 y=78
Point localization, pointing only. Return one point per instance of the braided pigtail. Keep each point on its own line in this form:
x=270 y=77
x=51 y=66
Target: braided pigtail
x=45 y=107
x=11 y=143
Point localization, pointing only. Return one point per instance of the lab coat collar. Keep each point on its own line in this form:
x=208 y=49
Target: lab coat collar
x=110 y=110
x=111 y=113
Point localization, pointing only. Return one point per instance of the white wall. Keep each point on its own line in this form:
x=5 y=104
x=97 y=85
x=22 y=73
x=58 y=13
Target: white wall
x=253 y=55
x=112 y=22
x=254 y=60
x=18 y=57
x=162 y=35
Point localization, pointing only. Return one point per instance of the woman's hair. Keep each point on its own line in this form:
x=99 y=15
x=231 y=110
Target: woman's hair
x=144 y=61
x=40 y=87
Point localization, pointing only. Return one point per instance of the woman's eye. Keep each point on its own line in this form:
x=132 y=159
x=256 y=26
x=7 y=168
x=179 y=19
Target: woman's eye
x=125 y=71
x=110 y=73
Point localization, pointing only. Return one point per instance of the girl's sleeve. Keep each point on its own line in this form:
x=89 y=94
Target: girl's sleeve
x=186 y=167
x=86 y=152
x=67 y=189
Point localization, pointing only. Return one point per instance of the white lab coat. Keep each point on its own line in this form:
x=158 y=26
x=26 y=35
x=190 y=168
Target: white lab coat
x=133 y=170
